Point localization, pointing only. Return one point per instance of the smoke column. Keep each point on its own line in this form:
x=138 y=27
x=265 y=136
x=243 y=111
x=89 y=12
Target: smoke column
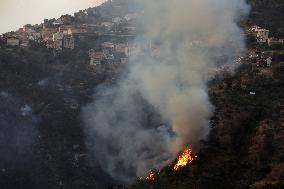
x=183 y=44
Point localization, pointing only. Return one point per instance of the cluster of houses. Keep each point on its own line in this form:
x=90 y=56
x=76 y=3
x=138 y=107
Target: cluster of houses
x=59 y=36
x=260 y=59
x=22 y=37
x=262 y=36
x=111 y=53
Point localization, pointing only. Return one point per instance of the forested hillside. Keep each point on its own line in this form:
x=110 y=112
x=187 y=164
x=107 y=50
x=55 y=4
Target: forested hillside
x=268 y=14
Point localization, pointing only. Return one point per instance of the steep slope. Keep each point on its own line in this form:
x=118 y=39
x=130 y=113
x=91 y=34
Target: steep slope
x=268 y=14
x=245 y=148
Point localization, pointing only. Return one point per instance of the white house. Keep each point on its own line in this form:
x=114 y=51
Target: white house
x=275 y=41
x=107 y=25
x=68 y=42
x=262 y=35
x=117 y=20
x=13 y=41
x=268 y=61
x=58 y=40
x=96 y=57
x=107 y=45
x=121 y=48
x=130 y=17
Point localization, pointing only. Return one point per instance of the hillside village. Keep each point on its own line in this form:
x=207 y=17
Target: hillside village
x=116 y=30
x=69 y=32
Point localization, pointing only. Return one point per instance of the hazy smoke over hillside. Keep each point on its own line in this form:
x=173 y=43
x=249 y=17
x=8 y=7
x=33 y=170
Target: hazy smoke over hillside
x=189 y=40
x=17 y=135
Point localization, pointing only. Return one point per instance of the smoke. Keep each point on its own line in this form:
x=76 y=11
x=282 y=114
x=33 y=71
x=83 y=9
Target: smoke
x=183 y=44
x=17 y=136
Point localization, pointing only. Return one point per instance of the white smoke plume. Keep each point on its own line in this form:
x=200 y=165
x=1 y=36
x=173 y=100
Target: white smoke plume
x=186 y=42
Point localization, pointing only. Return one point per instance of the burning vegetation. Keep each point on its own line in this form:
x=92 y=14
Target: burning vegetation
x=184 y=159
x=151 y=175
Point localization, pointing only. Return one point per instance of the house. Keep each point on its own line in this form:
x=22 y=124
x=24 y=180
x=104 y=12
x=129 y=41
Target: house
x=58 y=40
x=262 y=35
x=50 y=44
x=137 y=47
x=124 y=60
x=117 y=20
x=96 y=57
x=57 y=36
x=35 y=36
x=74 y=31
x=121 y=48
x=47 y=33
x=130 y=17
x=28 y=29
x=254 y=28
x=107 y=25
x=57 y=44
x=129 y=29
x=68 y=42
x=25 y=43
x=58 y=22
x=64 y=28
x=268 y=61
x=107 y=45
x=2 y=42
x=13 y=41
x=275 y=41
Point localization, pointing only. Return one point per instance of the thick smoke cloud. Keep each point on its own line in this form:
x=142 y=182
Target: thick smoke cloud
x=184 y=43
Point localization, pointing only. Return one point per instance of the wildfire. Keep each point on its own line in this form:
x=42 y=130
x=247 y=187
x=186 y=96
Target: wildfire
x=184 y=159
x=151 y=175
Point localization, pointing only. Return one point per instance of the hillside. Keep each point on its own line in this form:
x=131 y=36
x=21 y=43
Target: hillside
x=245 y=148
x=268 y=14
x=43 y=90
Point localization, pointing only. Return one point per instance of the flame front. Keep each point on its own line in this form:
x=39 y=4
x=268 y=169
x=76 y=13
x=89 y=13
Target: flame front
x=184 y=159
x=151 y=175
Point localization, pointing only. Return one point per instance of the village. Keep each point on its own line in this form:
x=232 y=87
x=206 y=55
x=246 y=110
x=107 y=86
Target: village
x=118 y=44
x=110 y=37
x=58 y=35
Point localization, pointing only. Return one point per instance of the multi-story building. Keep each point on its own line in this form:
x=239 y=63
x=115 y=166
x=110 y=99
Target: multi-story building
x=13 y=41
x=96 y=57
x=68 y=42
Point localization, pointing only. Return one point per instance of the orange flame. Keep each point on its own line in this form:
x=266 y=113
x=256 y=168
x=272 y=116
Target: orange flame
x=151 y=175
x=184 y=159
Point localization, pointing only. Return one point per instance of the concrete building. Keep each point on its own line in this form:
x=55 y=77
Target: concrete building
x=275 y=41
x=47 y=33
x=57 y=44
x=68 y=42
x=49 y=44
x=117 y=20
x=13 y=41
x=262 y=35
x=121 y=48
x=74 y=31
x=2 y=41
x=96 y=57
x=107 y=25
x=108 y=45
x=57 y=38
x=268 y=61
x=130 y=17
